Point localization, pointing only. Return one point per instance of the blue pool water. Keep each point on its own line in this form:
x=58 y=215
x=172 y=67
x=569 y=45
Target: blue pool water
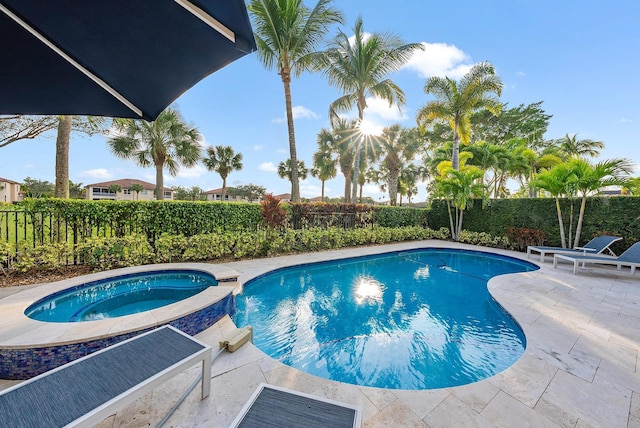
x=118 y=296
x=411 y=320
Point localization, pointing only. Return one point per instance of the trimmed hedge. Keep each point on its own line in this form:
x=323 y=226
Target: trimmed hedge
x=618 y=216
x=151 y=218
x=400 y=216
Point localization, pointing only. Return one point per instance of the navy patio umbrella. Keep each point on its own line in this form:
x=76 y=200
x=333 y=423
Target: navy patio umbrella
x=120 y=58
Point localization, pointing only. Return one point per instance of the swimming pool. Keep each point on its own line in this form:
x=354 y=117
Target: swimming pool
x=419 y=319
x=119 y=296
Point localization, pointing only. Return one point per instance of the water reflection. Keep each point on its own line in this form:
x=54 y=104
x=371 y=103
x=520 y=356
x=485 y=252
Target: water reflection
x=385 y=322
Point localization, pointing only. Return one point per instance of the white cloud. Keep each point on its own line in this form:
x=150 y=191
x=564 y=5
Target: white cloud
x=267 y=167
x=299 y=112
x=95 y=173
x=521 y=73
x=257 y=147
x=282 y=151
x=308 y=190
x=194 y=172
x=440 y=59
x=382 y=109
x=625 y=120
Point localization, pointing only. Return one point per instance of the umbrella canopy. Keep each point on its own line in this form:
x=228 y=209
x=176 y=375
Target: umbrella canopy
x=119 y=58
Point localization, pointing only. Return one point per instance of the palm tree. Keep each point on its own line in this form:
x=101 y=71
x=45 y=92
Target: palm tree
x=286 y=33
x=572 y=147
x=409 y=176
x=114 y=188
x=457 y=101
x=459 y=188
x=284 y=170
x=359 y=67
x=324 y=165
x=399 y=145
x=167 y=142
x=223 y=160
x=556 y=181
x=137 y=188
x=591 y=178
x=340 y=140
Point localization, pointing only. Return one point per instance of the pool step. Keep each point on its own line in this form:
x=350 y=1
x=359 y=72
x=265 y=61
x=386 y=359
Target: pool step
x=237 y=338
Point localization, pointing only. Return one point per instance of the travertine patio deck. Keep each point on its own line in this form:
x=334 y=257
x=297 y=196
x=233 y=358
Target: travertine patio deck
x=580 y=368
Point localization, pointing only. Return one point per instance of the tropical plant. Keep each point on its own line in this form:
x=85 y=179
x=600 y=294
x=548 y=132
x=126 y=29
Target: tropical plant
x=341 y=141
x=250 y=191
x=193 y=193
x=136 y=188
x=358 y=66
x=223 y=160
x=272 y=212
x=492 y=158
x=456 y=101
x=589 y=179
x=114 y=188
x=286 y=33
x=633 y=186
x=398 y=145
x=459 y=188
x=556 y=181
x=527 y=162
x=572 y=147
x=324 y=165
x=285 y=171
x=34 y=188
x=409 y=177
x=529 y=123
x=168 y=142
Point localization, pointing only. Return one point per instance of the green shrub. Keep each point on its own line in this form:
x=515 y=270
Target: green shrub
x=400 y=216
x=43 y=257
x=114 y=252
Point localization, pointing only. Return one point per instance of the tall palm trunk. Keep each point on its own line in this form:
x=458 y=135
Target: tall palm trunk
x=159 y=183
x=62 y=157
x=392 y=182
x=322 y=194
x=563 y=240
x=583 y=205
x=347 y=190
x=295 y=187
x=356 y=172
x=224 y=188
x=455 y=157
x=356 y=161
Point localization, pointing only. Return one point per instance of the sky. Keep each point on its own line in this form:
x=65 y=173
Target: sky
x=579 y=57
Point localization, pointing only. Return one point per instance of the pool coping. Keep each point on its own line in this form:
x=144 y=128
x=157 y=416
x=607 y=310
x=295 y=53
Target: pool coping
x=17 y=331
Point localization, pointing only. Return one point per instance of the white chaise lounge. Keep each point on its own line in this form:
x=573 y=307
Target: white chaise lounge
x=630 y=258
x=598 y=245
x=87 y=390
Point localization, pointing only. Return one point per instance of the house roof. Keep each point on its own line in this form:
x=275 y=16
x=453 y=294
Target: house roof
x=214 y=192
x=283 y=196
x=6 y=180
x=316 y=199
x=217 y=191
x=125 y=183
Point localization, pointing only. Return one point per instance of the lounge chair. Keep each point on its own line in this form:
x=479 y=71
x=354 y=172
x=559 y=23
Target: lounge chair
x=273 y=406
x=597 y=245
x=630 y=258
x=85 y=391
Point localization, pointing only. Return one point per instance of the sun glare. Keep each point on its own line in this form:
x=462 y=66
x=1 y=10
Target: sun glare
x=367 y=289
x=368 y=128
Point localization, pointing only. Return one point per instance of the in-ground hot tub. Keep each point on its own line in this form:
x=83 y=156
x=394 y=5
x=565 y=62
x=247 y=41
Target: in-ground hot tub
x=29 y=346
